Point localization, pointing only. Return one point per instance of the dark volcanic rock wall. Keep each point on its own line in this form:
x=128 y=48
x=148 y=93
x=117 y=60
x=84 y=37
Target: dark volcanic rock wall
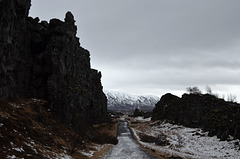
x=215 y=115
x=14 y=48
x=45 y=60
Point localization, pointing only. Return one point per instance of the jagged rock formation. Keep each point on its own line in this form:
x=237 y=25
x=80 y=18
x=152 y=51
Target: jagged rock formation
x=45 y=60
x=206 y=111
x=123 y=101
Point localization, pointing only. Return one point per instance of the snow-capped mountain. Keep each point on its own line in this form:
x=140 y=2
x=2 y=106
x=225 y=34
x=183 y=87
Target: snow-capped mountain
x=119 y=100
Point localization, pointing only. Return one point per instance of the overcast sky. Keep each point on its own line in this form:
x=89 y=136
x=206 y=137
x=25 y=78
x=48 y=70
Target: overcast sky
x=157 y=46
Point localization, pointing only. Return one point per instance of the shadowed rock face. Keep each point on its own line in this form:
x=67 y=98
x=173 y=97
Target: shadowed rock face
x=15 y=54
x=215 y=115
x=45 y=60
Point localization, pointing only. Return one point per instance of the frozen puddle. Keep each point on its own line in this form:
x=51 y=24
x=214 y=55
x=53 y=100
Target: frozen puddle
x=127 y=148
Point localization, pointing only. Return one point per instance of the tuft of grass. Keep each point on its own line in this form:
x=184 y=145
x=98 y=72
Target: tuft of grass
x=105 y=138
x=147 y=138
x=106 y=133
x=160 y=140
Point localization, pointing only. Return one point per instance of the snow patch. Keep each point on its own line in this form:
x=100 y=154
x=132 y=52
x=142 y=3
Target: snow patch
x=11 y=157
x=141 y=119
x=14 y=105
x=189 y=142
x=18 y=149
x=63 y=156
x=31 y=144
x=91 y=153
x=12 y=144
x=88 y=154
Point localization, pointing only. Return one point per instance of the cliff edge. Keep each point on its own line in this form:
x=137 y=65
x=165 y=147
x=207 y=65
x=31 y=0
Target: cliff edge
x=45 y=60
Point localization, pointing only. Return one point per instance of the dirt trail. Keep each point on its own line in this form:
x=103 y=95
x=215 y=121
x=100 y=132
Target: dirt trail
x=127 y=147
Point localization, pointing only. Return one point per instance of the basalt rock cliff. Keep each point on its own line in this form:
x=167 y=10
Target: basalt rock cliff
x=206 y=111
x=45 y=60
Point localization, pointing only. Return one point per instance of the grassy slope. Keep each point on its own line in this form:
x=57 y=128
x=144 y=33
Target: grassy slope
x=28 y=129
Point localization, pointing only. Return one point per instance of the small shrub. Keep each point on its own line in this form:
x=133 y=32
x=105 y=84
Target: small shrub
x=193 y=90
x=232 y=98
x=105 y=138
x=208 y=90
x=147 y=138
x=161 y=140
x=180 y=141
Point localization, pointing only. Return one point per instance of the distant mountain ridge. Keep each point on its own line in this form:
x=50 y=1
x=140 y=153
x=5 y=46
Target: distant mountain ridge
x=125 y=101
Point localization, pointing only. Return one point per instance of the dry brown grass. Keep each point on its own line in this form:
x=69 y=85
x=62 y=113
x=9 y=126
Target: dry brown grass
x=147 y=138
x=29 y=126
x=106 y=133
x=102 y=152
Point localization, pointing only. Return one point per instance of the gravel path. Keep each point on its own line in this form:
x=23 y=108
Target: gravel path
x=127 y=148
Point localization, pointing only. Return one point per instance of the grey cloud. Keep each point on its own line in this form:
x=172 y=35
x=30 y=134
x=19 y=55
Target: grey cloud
x=144 y=45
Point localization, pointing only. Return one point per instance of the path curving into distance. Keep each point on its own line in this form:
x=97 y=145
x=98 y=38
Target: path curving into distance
x=127 y=147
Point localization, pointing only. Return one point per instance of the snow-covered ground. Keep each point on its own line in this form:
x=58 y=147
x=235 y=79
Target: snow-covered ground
x=94 y=149
x=185 y=142
x=31 y=144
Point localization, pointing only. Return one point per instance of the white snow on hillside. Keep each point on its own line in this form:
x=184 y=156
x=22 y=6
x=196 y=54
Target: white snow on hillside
x=120 y=100
x=187 y=142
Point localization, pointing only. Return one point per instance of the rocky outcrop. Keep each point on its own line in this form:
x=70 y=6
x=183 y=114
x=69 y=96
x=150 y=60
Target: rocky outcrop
x=45 y=60
x=214 y=115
